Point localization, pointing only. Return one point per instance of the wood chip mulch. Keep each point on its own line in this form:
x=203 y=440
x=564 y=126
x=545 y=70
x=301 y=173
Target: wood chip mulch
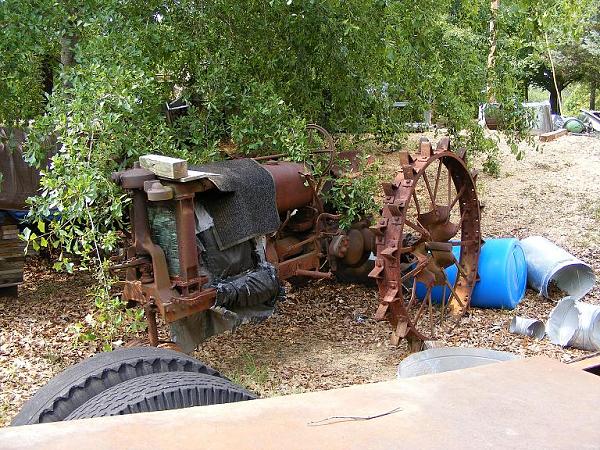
x=323 y=336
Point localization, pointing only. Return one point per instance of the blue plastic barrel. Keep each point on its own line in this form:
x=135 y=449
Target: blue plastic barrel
x=17 y=215
x=502 y=272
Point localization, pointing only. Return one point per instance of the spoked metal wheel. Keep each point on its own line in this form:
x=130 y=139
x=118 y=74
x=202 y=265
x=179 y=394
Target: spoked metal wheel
x=430 y=208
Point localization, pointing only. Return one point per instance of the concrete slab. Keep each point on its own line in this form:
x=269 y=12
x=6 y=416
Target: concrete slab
x=529 y=403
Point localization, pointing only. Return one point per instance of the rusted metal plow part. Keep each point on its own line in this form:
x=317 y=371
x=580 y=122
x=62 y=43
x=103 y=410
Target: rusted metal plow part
x=147 y=279
x=415 y=237
x=308 y=239
x=413 y=240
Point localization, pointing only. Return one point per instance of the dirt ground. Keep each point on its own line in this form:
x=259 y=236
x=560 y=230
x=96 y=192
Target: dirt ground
x=323 y=336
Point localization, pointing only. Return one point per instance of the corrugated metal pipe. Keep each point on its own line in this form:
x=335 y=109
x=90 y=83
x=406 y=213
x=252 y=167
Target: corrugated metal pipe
x=547 y=262
x=527 y=327
x=573 y=323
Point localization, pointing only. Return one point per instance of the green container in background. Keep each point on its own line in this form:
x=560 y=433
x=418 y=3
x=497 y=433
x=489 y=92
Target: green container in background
x=574 y=125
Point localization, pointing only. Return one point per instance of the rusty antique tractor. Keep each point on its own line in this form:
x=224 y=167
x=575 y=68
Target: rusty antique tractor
x=210 y=246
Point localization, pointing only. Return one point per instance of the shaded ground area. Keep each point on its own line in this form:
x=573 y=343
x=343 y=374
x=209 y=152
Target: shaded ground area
x=319 y=339
x=35 y=341
x=323 y=336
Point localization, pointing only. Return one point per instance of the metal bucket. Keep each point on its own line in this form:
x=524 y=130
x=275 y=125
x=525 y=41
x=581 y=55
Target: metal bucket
x=563 y=322
x=528 y=327
x=547 y=262
x=445 y=359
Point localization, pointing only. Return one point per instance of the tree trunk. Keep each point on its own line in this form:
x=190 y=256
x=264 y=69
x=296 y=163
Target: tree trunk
x=47 y=77
x=554 y=106
x=491 y=62
x=554 y=96
x=68 y=41
x=593 y=95
x=556 y=87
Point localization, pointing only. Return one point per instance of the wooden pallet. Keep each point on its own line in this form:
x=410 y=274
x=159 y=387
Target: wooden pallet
x=12 y=258
x=9 y=232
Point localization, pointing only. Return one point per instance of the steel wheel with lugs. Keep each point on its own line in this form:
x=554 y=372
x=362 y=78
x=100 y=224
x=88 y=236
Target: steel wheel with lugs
x=430 y=208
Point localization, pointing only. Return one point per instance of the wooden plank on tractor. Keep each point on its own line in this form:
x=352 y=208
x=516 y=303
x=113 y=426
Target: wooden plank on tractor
x=165 y=166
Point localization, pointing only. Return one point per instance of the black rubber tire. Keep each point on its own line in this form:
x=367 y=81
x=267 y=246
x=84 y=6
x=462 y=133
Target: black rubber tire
x=161 y=392
x=76 y=385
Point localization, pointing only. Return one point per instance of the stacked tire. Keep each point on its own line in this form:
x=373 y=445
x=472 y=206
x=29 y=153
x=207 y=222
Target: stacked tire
x=127 y=381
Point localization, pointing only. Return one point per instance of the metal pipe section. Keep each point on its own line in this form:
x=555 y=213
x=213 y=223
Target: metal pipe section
x=575 y=324
x=527 y=327
x=562 y=322
x=291 y=189
x=313 y=274
x=152 y=325
x=186 y=237
x=587 y=336
x=546 y=262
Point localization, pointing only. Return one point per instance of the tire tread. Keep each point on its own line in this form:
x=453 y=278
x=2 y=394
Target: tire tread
x=76 y=385
x=160 y=392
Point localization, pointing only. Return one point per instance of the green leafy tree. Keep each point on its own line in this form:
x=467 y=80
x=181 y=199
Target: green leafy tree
x=89 y=80
x=579 y=56
x=553 y=37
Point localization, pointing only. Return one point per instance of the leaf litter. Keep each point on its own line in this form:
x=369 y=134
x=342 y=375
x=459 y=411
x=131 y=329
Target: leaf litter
x=323 y=335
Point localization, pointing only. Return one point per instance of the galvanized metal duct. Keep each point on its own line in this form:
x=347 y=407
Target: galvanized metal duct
x=546 y=262
x=575 y=324
x=527 y=327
